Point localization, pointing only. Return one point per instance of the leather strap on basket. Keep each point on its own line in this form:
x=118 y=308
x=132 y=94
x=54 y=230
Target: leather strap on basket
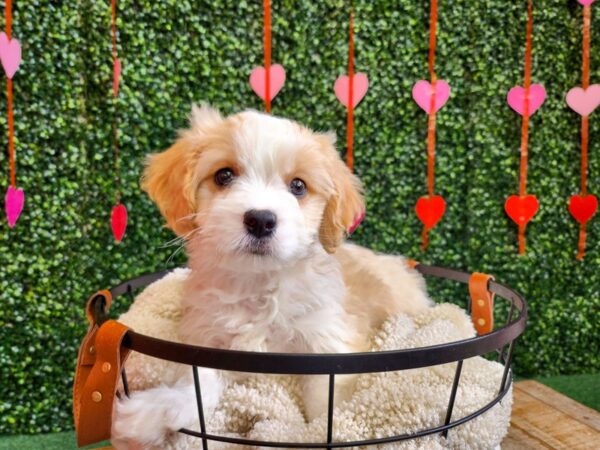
x=482 y=303
x=87 y=349
x=411 y=263
x=101 y=357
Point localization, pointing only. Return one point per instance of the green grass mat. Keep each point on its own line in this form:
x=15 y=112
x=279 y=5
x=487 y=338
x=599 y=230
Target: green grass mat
x=56 y=441
x=582 y=388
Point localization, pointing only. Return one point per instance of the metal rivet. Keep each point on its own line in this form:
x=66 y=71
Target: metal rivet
x=481 y=302
x=106 y=367
x=92 y=349
x=481 y=322
x=96 y=396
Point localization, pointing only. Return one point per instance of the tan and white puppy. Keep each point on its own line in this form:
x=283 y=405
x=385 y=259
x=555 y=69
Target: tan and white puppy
x=264 y=205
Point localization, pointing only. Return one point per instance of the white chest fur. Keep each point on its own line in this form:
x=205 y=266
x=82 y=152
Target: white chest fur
x=296 y=309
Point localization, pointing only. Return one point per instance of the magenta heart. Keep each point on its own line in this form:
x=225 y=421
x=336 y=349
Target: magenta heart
x=10 y=54
x=360 y=84
x=276 y=80
x=357 y=221
x=116 y=76
x=423 y=90
x=584 y=101
x=586 y=2
x=516 y=98
x=13 y=204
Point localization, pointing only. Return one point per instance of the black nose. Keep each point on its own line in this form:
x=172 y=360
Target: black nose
x=260 y=223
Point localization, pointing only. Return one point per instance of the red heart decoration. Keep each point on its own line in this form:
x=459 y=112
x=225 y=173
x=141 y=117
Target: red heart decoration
x=583 y=207
x=430 y=210
x=521 y=209
x=118 y=221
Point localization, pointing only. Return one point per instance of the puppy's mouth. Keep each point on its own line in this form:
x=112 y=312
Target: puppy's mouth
x=259 y=247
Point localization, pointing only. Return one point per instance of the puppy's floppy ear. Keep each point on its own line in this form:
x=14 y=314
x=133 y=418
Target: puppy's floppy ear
x=203 y=118
x=345 y=205
x=168 y=177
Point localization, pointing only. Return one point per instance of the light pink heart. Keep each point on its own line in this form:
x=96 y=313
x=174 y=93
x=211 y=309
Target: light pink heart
x=116 y=76
x=586 y=2
x=516 y=98
x=423 y=90
x=360 y=85
x=584 y=101
x=10 y=54
x=276 y=80
x=13 y=204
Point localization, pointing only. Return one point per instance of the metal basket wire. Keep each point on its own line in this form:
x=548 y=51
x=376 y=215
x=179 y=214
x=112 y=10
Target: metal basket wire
x=501 y=340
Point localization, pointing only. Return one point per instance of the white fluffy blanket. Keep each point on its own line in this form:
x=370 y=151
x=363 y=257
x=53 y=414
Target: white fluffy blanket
x=384 y=404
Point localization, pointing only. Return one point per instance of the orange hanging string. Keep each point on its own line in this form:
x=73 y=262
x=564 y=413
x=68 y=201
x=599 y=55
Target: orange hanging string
x=525 y=125
x=115 y=119
x=585 y=82
x=267 y=48
x=9 y=97
x=424 y=238
x=350 y=107
x=431 y=122
x=432 y=35
x=11 y=134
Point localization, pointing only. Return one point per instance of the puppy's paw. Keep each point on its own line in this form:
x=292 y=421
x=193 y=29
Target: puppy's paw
x=147 y=418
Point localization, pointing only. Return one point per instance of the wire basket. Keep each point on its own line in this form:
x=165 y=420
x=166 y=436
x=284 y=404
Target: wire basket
x=501 y=341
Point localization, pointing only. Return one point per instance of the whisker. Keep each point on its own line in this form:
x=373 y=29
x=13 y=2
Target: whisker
x=174 y=254
x=180 y=239
x=191 y=216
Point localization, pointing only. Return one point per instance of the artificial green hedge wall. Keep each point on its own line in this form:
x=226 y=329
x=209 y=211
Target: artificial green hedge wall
x=176 y=52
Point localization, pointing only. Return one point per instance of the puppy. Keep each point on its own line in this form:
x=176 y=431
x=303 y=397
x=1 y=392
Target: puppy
x=264 y=204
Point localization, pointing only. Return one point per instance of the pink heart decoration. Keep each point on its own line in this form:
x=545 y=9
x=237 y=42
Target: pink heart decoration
x=118 y=221
x=586 y=2
x=10 y=54
x=257 y=80
x=423 y=90
x=360 y=84
x=516 y=98
x=13 y=204
x=116 y=76
x=584 y=101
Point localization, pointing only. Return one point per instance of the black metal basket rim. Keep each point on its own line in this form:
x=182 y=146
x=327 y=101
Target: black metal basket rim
x=346 y=363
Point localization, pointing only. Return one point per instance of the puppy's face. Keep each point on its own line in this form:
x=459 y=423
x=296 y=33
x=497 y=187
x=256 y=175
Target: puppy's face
x=253 y=190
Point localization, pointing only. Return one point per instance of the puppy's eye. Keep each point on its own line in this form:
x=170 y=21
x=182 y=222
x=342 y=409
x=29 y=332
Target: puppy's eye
x=298 y=187
x=224 y=177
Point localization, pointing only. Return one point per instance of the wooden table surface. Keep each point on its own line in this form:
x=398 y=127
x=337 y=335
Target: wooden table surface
x=545 y=419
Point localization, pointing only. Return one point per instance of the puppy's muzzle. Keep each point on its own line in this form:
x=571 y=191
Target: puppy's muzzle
x=260 y=223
